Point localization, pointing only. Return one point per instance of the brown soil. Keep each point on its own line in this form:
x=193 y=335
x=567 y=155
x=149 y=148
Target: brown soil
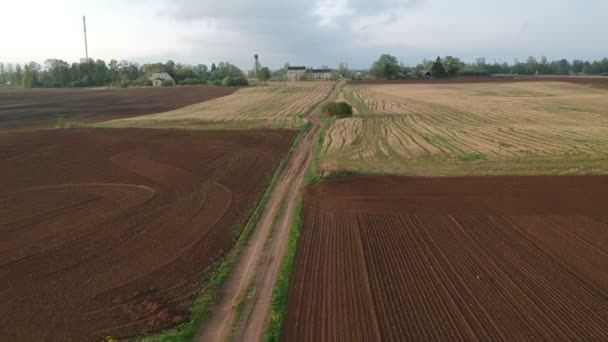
x=506 y=258
x=585 y=80
x=41 y=108
x=110 y=232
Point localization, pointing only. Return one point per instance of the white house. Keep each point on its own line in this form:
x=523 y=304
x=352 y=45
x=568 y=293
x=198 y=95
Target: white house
x=298 y=73
x=158 y=79
x=319 y=74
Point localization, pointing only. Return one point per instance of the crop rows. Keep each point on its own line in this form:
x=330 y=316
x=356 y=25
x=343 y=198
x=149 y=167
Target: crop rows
x=395 y=125
x=264 y=106
x=474 y=268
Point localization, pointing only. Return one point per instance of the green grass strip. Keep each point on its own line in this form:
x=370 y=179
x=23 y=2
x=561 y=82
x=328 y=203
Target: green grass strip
x=313 y=174
x=281 y=288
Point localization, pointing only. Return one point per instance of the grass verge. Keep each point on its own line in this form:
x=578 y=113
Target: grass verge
x=244 y=304
x=281 y=288
x=313 y=173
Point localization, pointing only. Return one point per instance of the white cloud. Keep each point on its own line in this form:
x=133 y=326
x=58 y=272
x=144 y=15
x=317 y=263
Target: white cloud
x=310 y=32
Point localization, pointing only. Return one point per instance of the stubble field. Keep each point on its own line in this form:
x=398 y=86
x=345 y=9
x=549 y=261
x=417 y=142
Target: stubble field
x=110 y=232
x=274 y=106
x=459 y=259
x=471 y=129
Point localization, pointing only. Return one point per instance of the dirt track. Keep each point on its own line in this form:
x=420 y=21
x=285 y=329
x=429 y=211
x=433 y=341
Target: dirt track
x=41 y=108
x=109 y=232
x=260 y=262
x=507 y=258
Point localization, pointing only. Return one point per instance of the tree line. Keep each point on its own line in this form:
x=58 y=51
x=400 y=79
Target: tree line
x=58 y=73
x=388 y=67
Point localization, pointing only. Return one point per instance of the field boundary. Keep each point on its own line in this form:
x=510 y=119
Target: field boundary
x=278 y=308
x=210 y=292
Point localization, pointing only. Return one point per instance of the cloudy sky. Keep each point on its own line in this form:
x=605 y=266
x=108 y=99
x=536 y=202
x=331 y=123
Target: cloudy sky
x=306 y=32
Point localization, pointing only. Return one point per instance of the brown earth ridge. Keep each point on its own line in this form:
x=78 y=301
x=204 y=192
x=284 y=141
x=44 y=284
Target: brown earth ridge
x=110 y=232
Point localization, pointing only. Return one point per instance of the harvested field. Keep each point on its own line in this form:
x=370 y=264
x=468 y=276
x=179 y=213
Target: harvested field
x=42 y=108
x=600 y=81
x=420 y=259
x=275 y=106
x=472 y=129
x=110 y=232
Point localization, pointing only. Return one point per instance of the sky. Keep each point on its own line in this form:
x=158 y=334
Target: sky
x=302 y=32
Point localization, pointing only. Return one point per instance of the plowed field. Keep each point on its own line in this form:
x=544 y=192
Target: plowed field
x=388 y=258
x=110 y=232
x=42 y=108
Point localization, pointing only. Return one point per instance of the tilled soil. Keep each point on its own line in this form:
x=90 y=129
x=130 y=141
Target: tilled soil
x=505 y=258
x=110 y=232
x=42 y=108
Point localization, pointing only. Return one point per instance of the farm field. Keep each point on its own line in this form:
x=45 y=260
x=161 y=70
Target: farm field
x=42 y=108
x=471 y=129
x=110 y=232
x=595 y=81
x=274 y=106
x=402 y=258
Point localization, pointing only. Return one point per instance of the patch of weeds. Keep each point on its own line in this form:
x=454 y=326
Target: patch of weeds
x=60 y=122
x=313 y=174
x=471 y=157
x=343 y=174
x=441 y=141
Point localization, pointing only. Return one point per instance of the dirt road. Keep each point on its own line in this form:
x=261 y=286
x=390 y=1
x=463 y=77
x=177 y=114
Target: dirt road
x=260 y=262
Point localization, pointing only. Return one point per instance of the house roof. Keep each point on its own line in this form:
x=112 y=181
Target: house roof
x=296 y=68
x=161 y=76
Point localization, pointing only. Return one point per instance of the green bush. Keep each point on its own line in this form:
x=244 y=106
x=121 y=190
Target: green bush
x=79 y=83
x=339 y=109
x=167 y=83
x=192 y=81
x=142 y=82
x=234 y=81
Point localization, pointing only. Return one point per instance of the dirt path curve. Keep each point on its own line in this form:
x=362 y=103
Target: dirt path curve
x=260 y=262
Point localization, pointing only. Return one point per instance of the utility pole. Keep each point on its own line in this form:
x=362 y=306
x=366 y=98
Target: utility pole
x=86 y=47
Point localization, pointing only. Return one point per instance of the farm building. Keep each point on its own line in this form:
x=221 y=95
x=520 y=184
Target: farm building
x=295 y=73
x=319 y=74
x=158 y=79
x=298 y=73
